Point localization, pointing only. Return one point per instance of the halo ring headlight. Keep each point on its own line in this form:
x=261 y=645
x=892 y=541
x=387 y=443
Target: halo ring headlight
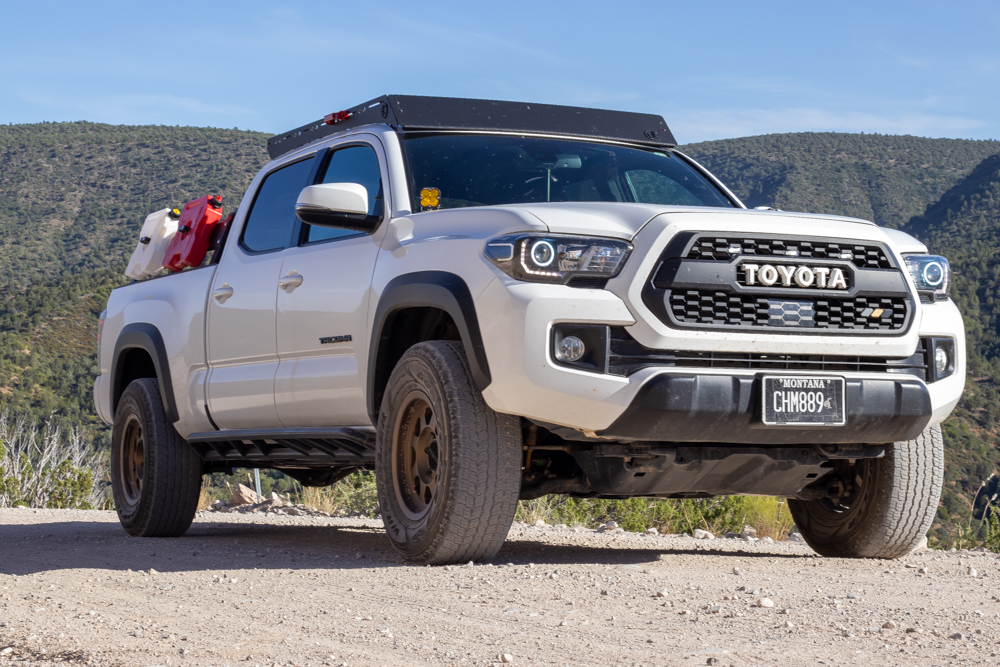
x=542 y=253
x=933 y=274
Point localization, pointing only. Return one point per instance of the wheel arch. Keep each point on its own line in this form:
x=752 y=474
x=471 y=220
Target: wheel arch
x=419 y=306
x=141 y=353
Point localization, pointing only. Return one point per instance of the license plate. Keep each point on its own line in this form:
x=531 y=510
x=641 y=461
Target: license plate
x=798 y=400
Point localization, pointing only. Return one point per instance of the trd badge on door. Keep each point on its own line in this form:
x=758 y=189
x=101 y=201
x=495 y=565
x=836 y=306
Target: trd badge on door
x=327 y=340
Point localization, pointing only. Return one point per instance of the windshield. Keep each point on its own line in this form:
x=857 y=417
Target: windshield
x=489 y=170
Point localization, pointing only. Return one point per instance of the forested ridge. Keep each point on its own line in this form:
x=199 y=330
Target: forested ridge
x=73 y=195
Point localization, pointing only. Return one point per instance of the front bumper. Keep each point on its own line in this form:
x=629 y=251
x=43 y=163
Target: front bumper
x=726 y=409
x=516 y=320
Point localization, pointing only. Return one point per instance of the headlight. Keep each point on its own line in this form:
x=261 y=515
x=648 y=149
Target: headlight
x=557 y=259
x=931 y=274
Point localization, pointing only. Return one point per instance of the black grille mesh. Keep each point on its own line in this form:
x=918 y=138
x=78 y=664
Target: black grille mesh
x=718 y=248
x=722 y=308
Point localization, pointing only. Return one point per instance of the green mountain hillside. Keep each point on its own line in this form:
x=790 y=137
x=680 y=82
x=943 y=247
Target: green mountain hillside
x=73 y=194
x=888 y=179
x=72 y=197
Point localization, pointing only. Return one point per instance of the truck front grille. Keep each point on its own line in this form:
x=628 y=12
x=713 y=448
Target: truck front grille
x=722 y=308
x=628 y=356
x=702 y=281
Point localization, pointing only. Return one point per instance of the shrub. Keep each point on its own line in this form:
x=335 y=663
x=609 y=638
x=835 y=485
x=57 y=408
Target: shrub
x=354 y=493
x=769 y=516
x=51 y=468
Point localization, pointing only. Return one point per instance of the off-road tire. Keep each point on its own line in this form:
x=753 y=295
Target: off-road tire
x=894 y=510
x=476 y=460
x=159 y=497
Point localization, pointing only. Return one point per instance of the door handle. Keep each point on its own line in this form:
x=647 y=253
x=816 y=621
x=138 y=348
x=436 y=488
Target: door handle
x=290 y=282
x=222 y=293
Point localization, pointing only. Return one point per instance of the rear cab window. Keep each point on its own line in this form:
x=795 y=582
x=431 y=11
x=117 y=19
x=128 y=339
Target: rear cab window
x=272 y=218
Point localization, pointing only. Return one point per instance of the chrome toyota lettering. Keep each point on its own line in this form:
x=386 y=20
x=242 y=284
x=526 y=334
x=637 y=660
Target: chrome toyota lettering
x=821 y=277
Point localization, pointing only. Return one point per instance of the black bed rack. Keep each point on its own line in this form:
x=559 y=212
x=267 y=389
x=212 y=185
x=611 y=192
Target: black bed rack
x=415 y=113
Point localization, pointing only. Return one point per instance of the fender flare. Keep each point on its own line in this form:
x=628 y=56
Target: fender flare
x=145 y=336
x=426 y=289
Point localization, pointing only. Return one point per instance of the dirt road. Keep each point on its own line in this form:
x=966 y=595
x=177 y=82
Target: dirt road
x=265 y=590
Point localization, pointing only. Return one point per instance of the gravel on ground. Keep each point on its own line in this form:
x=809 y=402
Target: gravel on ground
x=270 y=589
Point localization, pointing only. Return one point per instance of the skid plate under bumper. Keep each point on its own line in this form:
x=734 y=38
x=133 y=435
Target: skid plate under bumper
x=727 y=409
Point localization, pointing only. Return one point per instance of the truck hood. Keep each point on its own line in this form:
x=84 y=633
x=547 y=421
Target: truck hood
x=621 y=220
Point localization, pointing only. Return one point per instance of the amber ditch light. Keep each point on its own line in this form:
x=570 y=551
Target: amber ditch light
x=430 y=198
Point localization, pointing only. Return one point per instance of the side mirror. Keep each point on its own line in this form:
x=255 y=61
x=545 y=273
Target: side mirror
x=340 y=205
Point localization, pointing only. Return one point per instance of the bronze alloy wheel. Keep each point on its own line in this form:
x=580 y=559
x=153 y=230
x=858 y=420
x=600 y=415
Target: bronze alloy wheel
x=416 y=455
x=132 y=460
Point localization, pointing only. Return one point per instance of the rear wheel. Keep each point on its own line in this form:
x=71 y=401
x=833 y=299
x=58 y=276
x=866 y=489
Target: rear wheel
x=448 y=467
x=887 y=507
x=155 y=474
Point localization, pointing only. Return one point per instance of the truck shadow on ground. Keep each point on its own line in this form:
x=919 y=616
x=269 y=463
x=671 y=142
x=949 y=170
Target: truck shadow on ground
x=220 y=547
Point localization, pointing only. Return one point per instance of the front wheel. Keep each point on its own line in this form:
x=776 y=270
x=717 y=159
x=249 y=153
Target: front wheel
x=448 y=468
x=155 y=474
x=889 y=507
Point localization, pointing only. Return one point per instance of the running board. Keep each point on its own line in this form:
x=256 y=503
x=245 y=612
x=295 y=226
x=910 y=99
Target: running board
x=348 y=446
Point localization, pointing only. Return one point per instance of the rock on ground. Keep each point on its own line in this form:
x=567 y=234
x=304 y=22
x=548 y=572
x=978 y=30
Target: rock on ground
x=244 y=495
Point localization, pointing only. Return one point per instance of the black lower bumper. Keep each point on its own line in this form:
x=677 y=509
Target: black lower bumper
x=727 y=409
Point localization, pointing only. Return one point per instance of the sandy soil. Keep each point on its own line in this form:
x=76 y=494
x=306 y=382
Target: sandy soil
x=307 y=591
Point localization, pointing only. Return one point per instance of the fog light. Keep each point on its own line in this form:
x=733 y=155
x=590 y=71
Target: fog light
x=941 y=361
x=570 y=348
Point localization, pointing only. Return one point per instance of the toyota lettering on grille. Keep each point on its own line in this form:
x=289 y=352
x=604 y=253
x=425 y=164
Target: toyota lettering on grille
x=785 y=275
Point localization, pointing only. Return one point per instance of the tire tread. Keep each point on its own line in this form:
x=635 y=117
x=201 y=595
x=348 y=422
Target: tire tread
x=173 y=476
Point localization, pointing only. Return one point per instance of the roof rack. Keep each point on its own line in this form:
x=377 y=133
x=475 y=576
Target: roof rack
x=411 y=112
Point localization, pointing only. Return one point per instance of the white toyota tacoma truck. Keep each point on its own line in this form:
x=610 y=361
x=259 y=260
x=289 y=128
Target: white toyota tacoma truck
x=484 y=301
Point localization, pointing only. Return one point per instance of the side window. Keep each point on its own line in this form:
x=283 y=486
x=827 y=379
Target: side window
x=354 y=164
x=270 y=221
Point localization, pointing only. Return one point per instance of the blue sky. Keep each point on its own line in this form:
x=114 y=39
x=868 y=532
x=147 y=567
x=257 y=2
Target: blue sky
x=714 y=70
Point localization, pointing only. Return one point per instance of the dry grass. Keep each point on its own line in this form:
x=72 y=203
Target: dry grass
x=206 y=497
x=769 y=516
x=545 y=508
x=355 y=493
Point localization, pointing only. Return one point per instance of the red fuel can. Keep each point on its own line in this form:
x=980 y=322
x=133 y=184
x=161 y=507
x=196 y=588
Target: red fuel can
x=189 y=246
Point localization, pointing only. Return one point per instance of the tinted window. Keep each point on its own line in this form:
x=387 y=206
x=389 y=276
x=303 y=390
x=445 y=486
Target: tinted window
x=487 y=170
x=355 y=164
x=270 y=222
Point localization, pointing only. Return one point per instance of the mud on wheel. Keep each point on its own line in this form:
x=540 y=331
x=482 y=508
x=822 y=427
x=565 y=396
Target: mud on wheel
x=447 y=466
x=884 y=507
x=155 y=474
